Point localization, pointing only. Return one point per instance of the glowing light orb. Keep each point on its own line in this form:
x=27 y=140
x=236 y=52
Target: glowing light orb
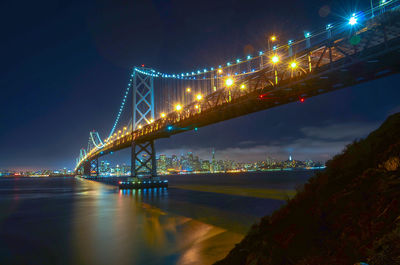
x=353 y=21
x=229 y=82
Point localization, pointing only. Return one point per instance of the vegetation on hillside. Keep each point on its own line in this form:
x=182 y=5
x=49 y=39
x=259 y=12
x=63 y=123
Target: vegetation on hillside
x=347 y=214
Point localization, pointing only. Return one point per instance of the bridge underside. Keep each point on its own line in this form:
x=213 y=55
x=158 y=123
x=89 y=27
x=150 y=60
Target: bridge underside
x=335 y=77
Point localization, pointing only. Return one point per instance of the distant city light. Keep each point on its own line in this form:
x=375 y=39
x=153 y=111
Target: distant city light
x=220 y=71
x=273 y=38
x=188 y=89
x=140 y=126
x=178 y=107
x=199 y=97
x=163 y=115
x=242 y=86
x=293 y=65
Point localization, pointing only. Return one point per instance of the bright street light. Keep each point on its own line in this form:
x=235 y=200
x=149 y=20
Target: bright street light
x=229 y=82
x=178 y=107
x=275 y=59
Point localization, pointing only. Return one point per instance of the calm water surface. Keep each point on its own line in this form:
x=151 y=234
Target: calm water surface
x=74 y=221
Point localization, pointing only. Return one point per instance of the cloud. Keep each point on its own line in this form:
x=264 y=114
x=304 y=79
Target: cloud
x=394 y=110
x=247 y=143
x=317 y=143
x=340 y=131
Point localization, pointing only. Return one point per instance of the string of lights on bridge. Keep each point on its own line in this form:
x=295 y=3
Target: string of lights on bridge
x=354 y=20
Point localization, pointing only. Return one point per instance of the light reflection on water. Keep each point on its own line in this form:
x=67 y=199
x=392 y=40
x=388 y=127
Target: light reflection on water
x=72 y=221
x=121 y=228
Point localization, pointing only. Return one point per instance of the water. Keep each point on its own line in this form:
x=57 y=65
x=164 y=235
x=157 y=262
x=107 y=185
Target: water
x=74 y=221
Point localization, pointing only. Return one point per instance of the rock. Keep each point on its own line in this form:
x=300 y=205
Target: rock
x=392 y=164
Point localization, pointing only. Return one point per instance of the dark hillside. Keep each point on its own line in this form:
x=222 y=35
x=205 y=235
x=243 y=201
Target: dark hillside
x=347 y=214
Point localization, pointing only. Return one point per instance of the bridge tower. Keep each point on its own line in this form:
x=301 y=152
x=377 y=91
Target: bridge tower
x=143 y=157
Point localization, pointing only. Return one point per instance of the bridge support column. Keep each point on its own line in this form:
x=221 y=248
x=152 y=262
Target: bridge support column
x=145 y=165
x=86 y=169
x=94 y=166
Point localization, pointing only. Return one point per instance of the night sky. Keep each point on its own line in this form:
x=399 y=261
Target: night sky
x=65 y=66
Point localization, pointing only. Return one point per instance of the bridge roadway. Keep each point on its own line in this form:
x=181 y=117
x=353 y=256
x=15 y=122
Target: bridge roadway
x=328 y=66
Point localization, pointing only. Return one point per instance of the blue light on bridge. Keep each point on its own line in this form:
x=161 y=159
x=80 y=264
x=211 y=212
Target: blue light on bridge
x=196 y=129
x=353 y=20
x=248 y=57
x=170 y=127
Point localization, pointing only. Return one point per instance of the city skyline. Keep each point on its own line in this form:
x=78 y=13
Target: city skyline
x=213 y=157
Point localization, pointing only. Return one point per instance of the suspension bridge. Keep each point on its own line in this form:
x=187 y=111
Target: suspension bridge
x=362 y=48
